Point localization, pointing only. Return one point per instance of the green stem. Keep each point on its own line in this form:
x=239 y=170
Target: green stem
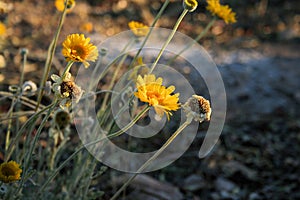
x=50 y=178
x=203 y=33
x=50 y=55
x=10 y=113
x=31 y=120
x=67 y=69
x=146 y=164
x=184 y=12
x=36 y=137
x=116 y=72
x=149 y=33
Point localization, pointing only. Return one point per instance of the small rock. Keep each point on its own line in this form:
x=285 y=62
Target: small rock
x=232 y=167
x=223 y=184
x=193 y=182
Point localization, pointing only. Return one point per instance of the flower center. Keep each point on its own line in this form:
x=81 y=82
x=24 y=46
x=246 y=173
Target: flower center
x=6 y=171
x=154 y=97
x=78 y=52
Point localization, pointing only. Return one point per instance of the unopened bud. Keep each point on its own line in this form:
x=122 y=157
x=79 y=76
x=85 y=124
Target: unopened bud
x=190 y=5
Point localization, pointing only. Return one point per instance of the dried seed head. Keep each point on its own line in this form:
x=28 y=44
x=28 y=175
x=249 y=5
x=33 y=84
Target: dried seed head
x=71 y=90
x=198 y=108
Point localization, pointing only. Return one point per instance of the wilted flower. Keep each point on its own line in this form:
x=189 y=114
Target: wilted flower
x=77 y=48
x=222 y=11
x=10 y=172
x=151 y=91
x=190 y=5
x=139 y=29
x=66 y=89
x=198 y=108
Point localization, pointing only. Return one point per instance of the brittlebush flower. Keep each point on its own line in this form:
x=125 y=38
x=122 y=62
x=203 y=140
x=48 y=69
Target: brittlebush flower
x=222 y=11
x=150 y=90
x=10 y=172
x=77 y=48
x=138 y=29
x=60 y=5
x=197 y=108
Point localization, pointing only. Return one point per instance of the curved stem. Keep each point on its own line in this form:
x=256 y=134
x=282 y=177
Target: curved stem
x=184 y=12
x=146 y=164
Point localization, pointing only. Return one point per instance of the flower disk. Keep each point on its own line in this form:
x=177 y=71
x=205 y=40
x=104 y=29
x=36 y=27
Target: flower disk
x=10 y=171
x=222 y=11
x=78 y=49
x=138 y=29
x=151 y=91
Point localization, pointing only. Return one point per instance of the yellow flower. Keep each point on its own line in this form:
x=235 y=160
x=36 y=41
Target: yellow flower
x=60 y=5
x=138 y=29
x=78 y=49
x=190 y=5
x=151 y=91
x=10 y=171
x=222 y=11
x=2 y=29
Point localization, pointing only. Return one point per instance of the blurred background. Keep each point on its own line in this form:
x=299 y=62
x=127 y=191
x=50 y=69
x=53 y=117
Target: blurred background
x=257 y=156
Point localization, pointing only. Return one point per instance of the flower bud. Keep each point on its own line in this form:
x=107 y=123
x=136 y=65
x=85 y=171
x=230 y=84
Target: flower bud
x=29 y=88
x=190 y=5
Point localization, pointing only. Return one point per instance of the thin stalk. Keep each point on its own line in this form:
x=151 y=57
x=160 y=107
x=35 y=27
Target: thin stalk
x=18 y=104
x=31 y=120
x=203 y=33
x=89 y=177
x=50 y=55
x=184 y=12
x=67 y=69
x=116 y=72
x=35 y=139
x=10 y=114
x=52 y=176
x=146 y=164
x=162 y=9
x=26 y=101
